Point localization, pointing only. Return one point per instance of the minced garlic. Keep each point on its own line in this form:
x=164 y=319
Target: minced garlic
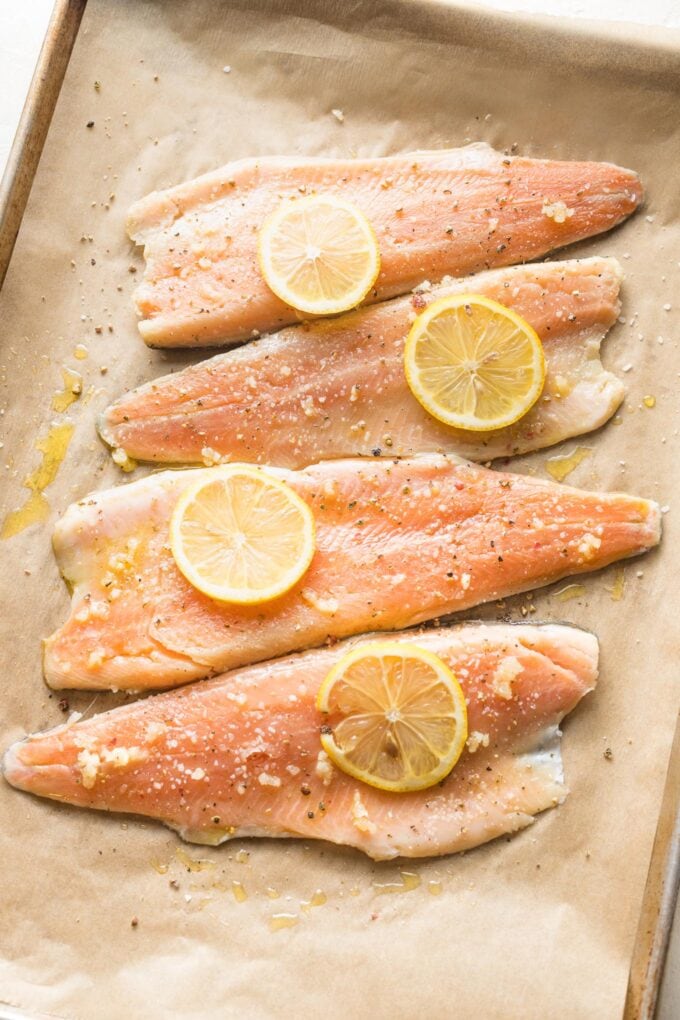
x=211 y=457
x=506 y=673
x=328 y=606
x=264 y=779
x=589 y=545
x=477 y=740
x=360 y=818
x=95 y=658
x=88 y=763
x=120 y=457
x=119 y=757
x=239 y=699
x=557 y=211
x=155 y=730
x=324 y=769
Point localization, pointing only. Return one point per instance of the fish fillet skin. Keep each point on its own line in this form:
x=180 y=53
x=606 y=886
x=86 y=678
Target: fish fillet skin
x=449 y=212
x=397 y=543
x=240 y=755
x=337 y=388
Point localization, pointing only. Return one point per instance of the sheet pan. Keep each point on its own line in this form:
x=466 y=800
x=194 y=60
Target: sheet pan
x=543 y=925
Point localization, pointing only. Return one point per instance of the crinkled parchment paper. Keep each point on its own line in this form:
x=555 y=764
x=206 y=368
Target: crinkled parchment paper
x=538 y=926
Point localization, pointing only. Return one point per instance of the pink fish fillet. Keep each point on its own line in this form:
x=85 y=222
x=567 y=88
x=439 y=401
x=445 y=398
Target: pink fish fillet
x=397 y=543
x=337 y=388
x=454 y=211
x=240 y=755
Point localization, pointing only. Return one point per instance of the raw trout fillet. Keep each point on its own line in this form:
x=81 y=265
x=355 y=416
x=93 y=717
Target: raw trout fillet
x=240 y=755
x=452 y=212
x=397 y=543
x=337 y=388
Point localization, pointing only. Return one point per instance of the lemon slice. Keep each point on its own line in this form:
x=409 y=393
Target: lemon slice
x=241 y=535
x=395 y=716
x=473 y=363
x=319 y=254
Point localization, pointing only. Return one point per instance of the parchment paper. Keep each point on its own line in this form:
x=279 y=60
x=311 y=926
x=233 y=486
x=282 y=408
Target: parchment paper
x=538 y=926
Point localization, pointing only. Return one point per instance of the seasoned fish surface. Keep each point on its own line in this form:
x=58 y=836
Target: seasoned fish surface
x=240 y=755
x=337 y=388
x=397 y=543
x=454 y=212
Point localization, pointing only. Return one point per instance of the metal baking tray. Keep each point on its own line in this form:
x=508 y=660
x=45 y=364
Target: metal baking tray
x=661 y=889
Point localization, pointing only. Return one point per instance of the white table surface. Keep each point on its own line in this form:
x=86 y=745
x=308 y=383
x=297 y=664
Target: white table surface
x=22 y=27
